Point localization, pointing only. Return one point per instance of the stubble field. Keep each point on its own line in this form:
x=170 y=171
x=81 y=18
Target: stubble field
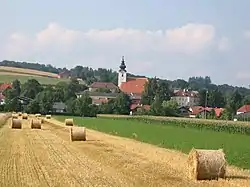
x=47 y=157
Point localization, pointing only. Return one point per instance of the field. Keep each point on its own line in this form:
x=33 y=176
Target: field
x=172 y=137
x=47 y=157
x=9 y=74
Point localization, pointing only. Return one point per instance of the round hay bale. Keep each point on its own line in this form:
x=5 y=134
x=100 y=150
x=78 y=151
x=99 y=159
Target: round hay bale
x=78 y=134
x=25 y=116
x=206 y=164
x=14 y=116
x=19 y=113
x=48 y=116
x=16 y=123
x=36 y=124
x=69 y=122
x=38 y=115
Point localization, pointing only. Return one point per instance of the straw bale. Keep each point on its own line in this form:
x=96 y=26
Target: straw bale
x=25 y=116
x=19 y=113
x=48 y=116
x=38 y=115
x=206 y=164
x=69 y=122
x=14 y=116
x=78 y=134
x=16 y=123
x=36 y=124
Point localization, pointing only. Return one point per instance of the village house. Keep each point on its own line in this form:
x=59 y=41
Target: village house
x=105 y=86
x=245 y=109
x=3 y=87
x=64 y=74
x=132 y=86
x=98 y=97
x=200 y=111
x=186 y=98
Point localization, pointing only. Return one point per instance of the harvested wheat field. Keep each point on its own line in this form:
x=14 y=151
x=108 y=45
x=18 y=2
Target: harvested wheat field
x=47 y=157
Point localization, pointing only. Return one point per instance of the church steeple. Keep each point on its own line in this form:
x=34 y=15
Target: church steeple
x=123 y=66
x=122 y=74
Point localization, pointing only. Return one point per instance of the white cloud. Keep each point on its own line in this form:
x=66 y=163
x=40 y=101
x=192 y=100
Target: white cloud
x=147 y=51
x=246 y=34
x=224 y=44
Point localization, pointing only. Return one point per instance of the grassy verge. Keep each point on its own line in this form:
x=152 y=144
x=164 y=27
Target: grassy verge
x=236 y=146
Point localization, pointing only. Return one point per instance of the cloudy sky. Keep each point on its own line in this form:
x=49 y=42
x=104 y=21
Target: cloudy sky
x=165 y=38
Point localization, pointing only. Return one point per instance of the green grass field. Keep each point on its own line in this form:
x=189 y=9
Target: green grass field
x=24 y=78
x=236 y=146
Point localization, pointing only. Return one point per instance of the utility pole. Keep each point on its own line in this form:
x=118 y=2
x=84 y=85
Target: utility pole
x=206 y=104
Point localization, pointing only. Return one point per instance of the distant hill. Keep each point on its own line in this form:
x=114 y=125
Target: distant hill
x=9 y=74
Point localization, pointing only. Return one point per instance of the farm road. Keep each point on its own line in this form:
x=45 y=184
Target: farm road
x=46 y=157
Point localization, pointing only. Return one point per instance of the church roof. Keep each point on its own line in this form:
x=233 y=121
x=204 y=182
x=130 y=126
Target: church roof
x=133 y=85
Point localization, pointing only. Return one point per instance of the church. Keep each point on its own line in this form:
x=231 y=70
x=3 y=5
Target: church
x=132 y=86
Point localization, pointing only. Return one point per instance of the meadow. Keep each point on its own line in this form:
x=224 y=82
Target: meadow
x=172 y=136
x=4 y=78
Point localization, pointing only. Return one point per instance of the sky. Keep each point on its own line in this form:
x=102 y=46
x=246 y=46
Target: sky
x=168 y=39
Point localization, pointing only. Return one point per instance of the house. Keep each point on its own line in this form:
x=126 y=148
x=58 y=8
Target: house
x=103 y=85
x=98 y=97
x=2 y=99
x=198 y=111
x=59 y=107
x=24 y=100
x=64 y=74
x=186 y=98
x=137 y=107
x=4 y=86
x=243 y=110
x=133 y=86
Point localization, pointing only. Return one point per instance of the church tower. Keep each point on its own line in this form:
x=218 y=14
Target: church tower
x=122 y=74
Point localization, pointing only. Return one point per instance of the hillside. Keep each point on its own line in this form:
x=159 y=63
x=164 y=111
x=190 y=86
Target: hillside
x=9 y=74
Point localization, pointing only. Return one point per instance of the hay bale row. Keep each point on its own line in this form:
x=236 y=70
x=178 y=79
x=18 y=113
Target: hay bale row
x=38 y=115
x=16 y=123
x=36 y=124
x=206 y=164
x=69 y=122
x=25 y=116
x=78 y=134
x=14 y=116
x=48 y=116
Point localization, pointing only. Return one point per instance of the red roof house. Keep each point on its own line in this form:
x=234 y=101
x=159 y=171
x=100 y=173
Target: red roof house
x=4 y=86
x=134 y=85
x=243 y=109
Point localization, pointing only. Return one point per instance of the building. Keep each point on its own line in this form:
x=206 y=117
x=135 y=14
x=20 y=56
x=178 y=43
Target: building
x=200 y=111
x=243 y=110
x=64 y=74
x=4 y=86
x=133 y=86
x=98 y=97
x=59 y=107
x=186 y=98
x=109 y=86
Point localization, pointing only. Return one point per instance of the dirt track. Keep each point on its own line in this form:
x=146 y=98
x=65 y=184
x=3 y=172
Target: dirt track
x=47 y=158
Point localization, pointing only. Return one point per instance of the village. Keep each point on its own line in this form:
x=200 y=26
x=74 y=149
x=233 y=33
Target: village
x=102 y=92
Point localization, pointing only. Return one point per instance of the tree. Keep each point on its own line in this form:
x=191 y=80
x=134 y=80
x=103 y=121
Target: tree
x=31 y=88
x=235 y=101
x=170 y=108
x=121 y=104
x=156 y=108
x=216 y=99
x=83 y=105
x=33 y=107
